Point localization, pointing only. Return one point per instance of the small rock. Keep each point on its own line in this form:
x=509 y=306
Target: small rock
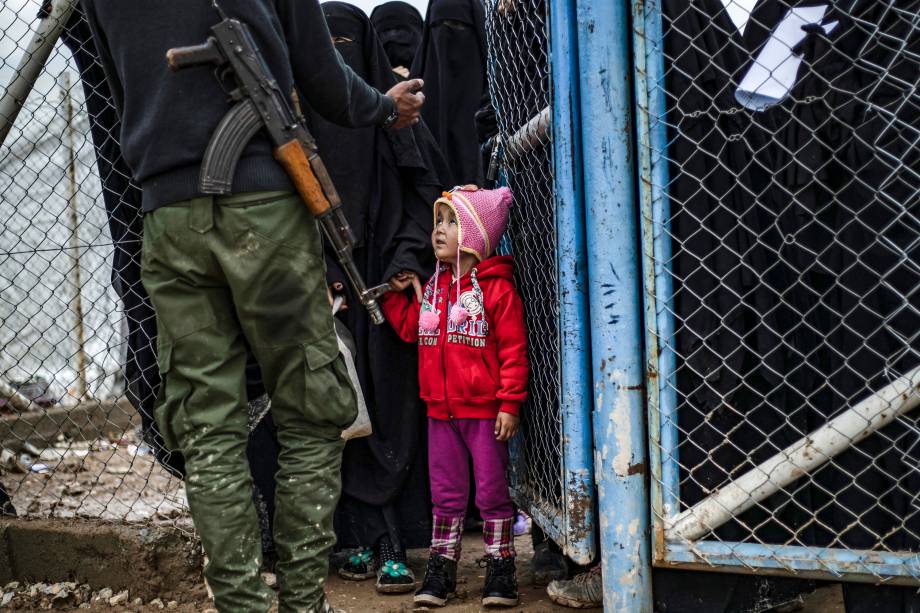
x=119 y=598
x=6 y=599
x=105 y=593
x=85 y=605
x=156 y=602
x=270 y=579
x=63 y=600
x=12 y=586
x=83 y=593
x=209 y=611
x=137 y=602
x=69 y=585
x=172 y=604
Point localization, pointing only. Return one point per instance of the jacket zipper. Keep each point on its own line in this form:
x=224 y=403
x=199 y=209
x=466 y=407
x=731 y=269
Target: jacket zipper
x=444 y=353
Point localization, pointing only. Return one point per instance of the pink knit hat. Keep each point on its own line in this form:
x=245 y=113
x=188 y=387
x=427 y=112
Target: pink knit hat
x=482 y=215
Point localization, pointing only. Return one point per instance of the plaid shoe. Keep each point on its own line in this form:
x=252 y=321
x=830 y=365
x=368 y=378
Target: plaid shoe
x=393 y=577
x=360 y=566
x=585 y=591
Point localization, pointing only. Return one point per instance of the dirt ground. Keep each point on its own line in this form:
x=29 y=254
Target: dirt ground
x=362 y=597
x=353 y=597
x=118 y=479
x=111 y=479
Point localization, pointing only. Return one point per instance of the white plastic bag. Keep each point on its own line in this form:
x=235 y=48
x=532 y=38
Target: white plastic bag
x=362 y=424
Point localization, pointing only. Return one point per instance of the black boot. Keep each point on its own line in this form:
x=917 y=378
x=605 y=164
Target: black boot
x=548 y=564
x=440 y=582
x=393 y=576
x=500 y=589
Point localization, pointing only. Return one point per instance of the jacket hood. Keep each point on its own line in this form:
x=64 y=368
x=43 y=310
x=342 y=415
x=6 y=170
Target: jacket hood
x=498 y=266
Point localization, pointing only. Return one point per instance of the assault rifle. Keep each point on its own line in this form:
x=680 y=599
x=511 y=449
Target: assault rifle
x=260 y=103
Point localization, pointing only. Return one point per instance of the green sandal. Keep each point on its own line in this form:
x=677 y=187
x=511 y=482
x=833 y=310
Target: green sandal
x=360 y=566
x=395 y=578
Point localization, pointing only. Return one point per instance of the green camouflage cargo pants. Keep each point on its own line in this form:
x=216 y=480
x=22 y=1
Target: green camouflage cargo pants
x=221 y=270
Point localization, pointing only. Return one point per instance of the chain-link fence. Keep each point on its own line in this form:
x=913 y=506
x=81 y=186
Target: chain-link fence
x=519 y=86
x=70 y=442
x=781 y=148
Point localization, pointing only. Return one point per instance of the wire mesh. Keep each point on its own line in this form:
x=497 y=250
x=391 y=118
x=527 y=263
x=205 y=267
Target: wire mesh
x=792 y=234
x=519 y=87
x=70 y=443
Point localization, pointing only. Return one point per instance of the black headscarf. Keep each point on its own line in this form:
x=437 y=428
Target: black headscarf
x=399 y=27
x=452 y=61
x=388 y=182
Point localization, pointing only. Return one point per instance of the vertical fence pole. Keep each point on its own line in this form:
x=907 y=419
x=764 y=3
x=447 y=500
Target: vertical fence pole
x=616 y=303
x=661 y=361
x=574 y=335
x=70 y=146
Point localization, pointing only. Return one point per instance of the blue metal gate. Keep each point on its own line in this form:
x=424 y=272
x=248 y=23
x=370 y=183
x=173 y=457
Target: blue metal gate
x=779 y=173
x=532 y=67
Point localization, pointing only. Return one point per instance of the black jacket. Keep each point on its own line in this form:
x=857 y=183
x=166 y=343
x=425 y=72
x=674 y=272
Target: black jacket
x=167 y=118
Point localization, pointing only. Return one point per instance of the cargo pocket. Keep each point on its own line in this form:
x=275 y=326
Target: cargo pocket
x=162 y=413
x=330 y=394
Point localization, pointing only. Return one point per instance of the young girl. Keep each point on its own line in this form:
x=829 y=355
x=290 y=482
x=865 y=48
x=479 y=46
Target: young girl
x=469 y=325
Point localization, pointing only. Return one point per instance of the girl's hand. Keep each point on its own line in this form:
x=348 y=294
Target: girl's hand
x=400 y=281
x=506 y=426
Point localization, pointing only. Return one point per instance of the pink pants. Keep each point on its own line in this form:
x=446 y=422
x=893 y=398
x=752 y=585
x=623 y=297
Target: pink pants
x=451 y=444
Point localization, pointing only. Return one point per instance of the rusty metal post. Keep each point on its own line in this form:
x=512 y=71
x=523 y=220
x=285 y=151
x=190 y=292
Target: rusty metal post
x=69 y=145
x=660 y=357
x=580 y=522
x=614 y=268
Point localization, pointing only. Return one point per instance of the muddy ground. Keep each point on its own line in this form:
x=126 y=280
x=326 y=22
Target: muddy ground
x=114 y=478
x=361 y=597
x=118 y=479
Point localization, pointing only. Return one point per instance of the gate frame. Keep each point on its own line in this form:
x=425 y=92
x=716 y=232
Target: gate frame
x=661 y=362
x=615 y=289
x=579 y=496
x=558 y=126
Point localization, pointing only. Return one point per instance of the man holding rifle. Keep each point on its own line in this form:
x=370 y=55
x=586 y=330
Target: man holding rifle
x=242 y=270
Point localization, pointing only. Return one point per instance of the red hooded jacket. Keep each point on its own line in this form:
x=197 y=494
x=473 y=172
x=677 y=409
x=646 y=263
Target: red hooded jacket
x=478 y=368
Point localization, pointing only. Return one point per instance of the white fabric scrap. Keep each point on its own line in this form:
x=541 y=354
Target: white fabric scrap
x=739 y=11
x=774 y=72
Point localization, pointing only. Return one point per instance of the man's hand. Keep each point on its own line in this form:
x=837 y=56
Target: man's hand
x=401 y=280
x=409 y=100
x=506 y=426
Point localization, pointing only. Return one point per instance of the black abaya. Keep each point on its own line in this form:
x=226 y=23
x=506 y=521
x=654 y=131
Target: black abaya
x=388 y=182
x=451 y=60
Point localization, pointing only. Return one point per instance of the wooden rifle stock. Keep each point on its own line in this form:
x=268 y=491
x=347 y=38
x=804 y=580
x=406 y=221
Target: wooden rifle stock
x=293 y=158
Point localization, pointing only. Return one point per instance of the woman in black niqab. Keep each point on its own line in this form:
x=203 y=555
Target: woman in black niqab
x=399 y=28
x=452 y=62
x=388 y=181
